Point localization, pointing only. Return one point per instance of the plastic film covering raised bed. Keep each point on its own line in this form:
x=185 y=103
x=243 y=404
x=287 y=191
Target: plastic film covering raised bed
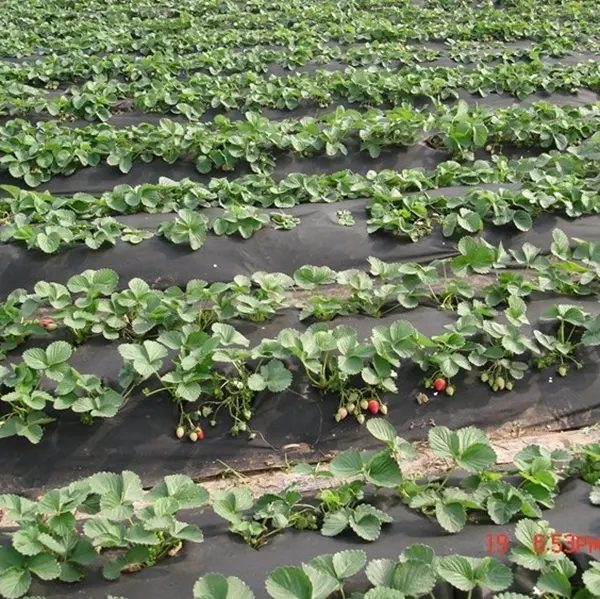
x=242 y=235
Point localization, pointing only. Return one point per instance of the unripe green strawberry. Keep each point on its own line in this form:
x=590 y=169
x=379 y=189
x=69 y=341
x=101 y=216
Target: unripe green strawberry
x=383 y=409
x=350 y=407
x=484 y=377
x=213 y=423
x=360 y=418
x=179 y=432
x=242 y=426
x=562 y=370
x=193 y=436
x=494 y=387
x=247 y=414
x=500 y=383
x=509 y=386
x=450 y=390
x=364 y=404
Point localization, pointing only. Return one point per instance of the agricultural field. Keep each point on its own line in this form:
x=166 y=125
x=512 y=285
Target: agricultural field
x=299 y=300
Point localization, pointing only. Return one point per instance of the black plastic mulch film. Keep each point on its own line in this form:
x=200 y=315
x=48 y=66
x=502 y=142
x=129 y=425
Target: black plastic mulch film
x=298 y=424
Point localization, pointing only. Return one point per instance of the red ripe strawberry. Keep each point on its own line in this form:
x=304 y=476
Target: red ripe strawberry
x=439 y=384
x=48 y=323
x=373 y=406
x=200 y=433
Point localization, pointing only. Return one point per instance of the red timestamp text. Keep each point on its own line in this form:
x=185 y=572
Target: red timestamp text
x=558 y=542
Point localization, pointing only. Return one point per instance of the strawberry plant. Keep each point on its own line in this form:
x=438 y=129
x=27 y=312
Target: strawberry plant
x=282 y=221
x=273 y=514
x=410 y=218
x=262 y=303
x=333 y=509
x=453 y=292
x=49 y=544
x=195 y=373
x=507 y=285
x=373 y=86
x=81 y=317
x=575 y=328
x=463 y=130
x=495 y=357
x=417 y=570
x=477 y=257
x=244 y=220
x=443 y=360
x=325 y=574
x=144 y=535
x=222 y=144
x=333 y=360
x=323 y=308
x=188 y=227
x=345 y=218
x=486 y=490
x=587 y=463
x=27 y=401
x=15 y=329
x=228 y=587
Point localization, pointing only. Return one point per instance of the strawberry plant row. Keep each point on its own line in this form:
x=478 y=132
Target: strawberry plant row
x=418 y=572
x=97 y=100
x=145 y=10
x=468 y=51
x=144 y=528
x=49 y=71
x=524 y=489
x=408 y=217
x=332 y=360
x=90 y=304
x=310 y=15
x=187 y=33
x=263 y=191
x=36 y=153
x=215 y=16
